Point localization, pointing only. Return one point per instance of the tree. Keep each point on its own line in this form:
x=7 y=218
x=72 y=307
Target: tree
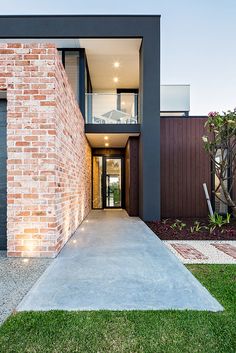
x=220 y=141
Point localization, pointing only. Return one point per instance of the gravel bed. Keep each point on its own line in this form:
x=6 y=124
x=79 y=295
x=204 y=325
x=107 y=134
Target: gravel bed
x=214 y=256
x=17 y=276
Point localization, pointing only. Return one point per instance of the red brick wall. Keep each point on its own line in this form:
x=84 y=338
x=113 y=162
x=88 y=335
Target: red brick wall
x=44 y=122
x=73 y=161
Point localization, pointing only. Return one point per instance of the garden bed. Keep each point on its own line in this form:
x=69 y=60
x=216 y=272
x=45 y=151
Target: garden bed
x=167 y=230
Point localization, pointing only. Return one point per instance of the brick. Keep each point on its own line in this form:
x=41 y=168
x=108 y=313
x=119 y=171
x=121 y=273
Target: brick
x=39 y=97
x=48 y=103
x=31 y=138
x=188 y=252
x=31 y=57
x=14 y=45
x=7 y=51
x=228 y=249
x=31 y=230
x=21 y=143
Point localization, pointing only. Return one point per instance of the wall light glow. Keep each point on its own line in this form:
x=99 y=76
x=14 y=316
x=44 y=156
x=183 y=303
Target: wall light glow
x=116 y=64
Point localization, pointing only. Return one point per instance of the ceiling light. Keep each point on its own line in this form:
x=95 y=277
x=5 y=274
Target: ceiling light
x=106 y=144
x=116 y=64
x=115 y=79
x=105 y=137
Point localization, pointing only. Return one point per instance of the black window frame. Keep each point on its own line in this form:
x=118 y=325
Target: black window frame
x=83 y=68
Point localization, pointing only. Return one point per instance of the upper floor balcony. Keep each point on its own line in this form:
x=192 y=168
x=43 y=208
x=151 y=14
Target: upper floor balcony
x=111 y=108
x=122 y=108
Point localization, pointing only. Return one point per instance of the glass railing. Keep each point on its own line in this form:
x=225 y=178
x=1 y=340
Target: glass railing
x=111 y=108
x=175 y=98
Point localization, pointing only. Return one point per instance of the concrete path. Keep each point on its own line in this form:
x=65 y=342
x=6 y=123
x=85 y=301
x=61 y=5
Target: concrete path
x=116 y=262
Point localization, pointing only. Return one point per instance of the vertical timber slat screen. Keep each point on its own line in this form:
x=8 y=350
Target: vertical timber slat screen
x=185 y=166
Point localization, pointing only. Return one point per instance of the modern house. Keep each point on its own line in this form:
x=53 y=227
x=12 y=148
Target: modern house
x=84 y=123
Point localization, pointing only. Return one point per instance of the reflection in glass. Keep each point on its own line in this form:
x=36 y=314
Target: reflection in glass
x=111 y=108
x=97 y=182
x=113 y=182
x=72 y=70
x=128 y=104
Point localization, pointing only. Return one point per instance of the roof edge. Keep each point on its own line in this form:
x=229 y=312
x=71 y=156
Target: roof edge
x=79 y=15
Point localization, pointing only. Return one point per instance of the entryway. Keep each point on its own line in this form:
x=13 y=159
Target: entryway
x=116 y=262
x=108 y=182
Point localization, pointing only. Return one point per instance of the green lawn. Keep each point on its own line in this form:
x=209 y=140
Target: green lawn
x=136 y=331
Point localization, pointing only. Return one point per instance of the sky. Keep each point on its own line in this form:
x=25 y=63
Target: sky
x=198 y=41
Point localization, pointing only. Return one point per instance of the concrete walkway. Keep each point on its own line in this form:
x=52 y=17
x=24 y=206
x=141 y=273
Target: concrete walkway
x=116 y=262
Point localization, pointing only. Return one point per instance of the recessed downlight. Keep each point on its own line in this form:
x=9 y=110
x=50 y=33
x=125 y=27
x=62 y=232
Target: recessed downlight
x=116 y=64
x=106 y=144
x=115 y=79
x=105 y=137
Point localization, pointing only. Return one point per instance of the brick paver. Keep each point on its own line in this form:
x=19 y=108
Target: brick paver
x=228 y=249
x=188 y=251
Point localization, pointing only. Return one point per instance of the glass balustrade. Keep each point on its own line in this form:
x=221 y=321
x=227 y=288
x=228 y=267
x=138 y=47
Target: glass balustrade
x=110 y=108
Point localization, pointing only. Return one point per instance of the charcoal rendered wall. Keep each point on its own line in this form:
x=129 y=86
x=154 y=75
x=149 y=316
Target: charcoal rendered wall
x=132 y=176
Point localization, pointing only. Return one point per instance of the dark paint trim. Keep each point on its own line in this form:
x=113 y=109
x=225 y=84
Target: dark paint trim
x=70 y=16
x=82 y=78
x=127 y=90
x=3 y=181
x=112 y=128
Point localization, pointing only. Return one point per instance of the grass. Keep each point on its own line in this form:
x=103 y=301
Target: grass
x=135 y=331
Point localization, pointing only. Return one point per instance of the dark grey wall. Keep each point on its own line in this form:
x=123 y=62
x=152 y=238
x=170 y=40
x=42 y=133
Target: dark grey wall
x=145 y=27
x=3 y=174
x=149 y=148
x=75 y=26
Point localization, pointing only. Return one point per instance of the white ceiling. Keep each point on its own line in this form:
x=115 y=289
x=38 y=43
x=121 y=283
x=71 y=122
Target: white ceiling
x=114 y=140
x=101 y=55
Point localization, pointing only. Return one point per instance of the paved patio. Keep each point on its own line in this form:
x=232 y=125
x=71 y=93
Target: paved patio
x=116 y=262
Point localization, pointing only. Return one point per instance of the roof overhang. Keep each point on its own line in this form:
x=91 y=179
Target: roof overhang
x=109 y=140
x=79 y=26
x=116 y=135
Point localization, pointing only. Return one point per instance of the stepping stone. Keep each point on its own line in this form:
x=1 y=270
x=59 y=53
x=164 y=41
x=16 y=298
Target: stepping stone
x=188 y=252
x=228 y=249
